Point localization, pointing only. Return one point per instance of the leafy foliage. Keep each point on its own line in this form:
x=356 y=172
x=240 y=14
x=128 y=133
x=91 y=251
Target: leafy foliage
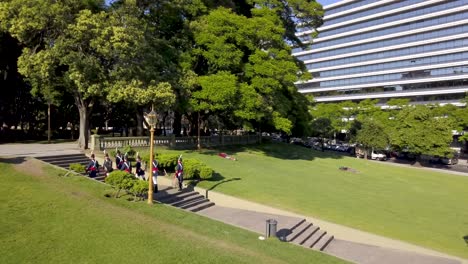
x=139 y=189
x=121 y=180
x=79 y=168
x=196 y=170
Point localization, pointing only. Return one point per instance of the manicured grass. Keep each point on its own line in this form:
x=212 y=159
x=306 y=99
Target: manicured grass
x=419 y=206
x=50 y=219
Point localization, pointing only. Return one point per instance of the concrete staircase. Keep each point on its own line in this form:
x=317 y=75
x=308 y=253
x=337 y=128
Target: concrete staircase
x=64 y=161
x=308 y=235
x=186 y=199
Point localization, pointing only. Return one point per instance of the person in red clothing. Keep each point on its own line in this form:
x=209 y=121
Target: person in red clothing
x=93 y=167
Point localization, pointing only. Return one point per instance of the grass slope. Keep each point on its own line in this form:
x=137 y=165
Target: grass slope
x=51 y=219
x=419 y=206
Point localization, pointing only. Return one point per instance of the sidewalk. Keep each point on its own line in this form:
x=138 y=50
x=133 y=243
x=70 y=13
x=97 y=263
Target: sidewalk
x=357 y=241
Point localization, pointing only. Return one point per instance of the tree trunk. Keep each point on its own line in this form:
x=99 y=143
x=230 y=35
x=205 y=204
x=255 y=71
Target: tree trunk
x=177 y=125
x=139 y=118
x=48 y=123
x=84 y=127
x=198 y=135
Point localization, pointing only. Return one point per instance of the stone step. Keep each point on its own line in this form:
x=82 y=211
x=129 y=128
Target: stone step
x=302 y=239
x=66 y=164
x=62 y=157
x=297 y=230
x=315 y=238
x=187 y=200
x=323 y=242
x=193 y=203
x=206 y=204
x=172 y=198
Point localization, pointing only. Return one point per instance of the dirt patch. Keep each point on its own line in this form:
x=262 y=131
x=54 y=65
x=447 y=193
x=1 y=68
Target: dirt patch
x=30 y=166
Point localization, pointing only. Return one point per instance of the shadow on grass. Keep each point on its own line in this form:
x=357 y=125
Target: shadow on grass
x=277 y=150
x=466 y=239
x=14 y=160
x=218 y=178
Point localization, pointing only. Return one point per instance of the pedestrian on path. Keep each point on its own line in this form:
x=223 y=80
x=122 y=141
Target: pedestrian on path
x=179 y=175
x=118 y=160
x=126 y=165
x=107 y=164
x=139 y=172
x=93 y=167
x=155 y=175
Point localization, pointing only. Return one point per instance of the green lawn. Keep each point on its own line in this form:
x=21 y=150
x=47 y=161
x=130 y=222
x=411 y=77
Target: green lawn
x=419 y=206
x=50 y=219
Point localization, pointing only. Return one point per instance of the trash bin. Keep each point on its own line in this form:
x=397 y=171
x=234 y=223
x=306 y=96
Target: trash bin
x=270 y=228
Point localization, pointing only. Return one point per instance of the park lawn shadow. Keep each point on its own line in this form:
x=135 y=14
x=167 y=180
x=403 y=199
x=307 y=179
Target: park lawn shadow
x=12 y=160
x=466 y=240
x=218 y=178
x=275 y=149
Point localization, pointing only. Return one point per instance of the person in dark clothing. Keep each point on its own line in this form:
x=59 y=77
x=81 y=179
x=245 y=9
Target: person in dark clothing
x=107 y=164
x=118 y=160
x=93 y=167
x=126 y=165
x=139 y=172
x=180 y=172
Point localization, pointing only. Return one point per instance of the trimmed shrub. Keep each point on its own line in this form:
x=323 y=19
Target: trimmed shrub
x=139 y=189
x=79 y=168
x=206 y=172
x=121 y=180
x=196 y=170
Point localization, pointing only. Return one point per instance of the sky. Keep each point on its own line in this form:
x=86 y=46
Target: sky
x=327 y=2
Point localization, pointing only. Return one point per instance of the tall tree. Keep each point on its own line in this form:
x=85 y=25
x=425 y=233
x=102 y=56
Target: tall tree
x=372 y=135
x=247 y=40
x=419 y=131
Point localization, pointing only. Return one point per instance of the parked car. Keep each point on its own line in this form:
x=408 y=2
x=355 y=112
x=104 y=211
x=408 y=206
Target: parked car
x=450 y=161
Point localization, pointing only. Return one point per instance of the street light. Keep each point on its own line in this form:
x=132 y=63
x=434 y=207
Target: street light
x=151 y=118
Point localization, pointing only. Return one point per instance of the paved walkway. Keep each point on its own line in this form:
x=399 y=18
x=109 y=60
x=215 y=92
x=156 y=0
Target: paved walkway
x=37 y=150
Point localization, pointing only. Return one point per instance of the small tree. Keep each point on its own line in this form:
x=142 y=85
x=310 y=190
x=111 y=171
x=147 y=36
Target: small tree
x=323 y=128
x=372 y=135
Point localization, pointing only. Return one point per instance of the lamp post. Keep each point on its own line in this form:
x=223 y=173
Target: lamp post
x=151 y=118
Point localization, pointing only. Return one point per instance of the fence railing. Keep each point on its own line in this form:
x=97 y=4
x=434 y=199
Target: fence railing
x=99 y=142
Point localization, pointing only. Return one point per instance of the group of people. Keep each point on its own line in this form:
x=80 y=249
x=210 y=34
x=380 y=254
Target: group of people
x=123 y=164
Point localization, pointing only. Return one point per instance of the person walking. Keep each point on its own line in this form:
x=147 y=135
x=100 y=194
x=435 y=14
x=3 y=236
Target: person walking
x=139 y=172
x=179 y=172
x=118 y=160
x=126 y=165
x=107 y=164
x=93 y=167
x=155 y=175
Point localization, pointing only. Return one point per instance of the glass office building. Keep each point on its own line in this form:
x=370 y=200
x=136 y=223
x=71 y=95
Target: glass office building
x=383 y=49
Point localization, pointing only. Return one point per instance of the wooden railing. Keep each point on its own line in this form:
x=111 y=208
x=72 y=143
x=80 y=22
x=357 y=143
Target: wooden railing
x=102 y=142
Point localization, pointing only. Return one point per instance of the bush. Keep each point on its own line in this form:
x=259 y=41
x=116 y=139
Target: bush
x=139 y=188
x=121 y=180
x=206 y=172
x=196 y=170
x=76 y=167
